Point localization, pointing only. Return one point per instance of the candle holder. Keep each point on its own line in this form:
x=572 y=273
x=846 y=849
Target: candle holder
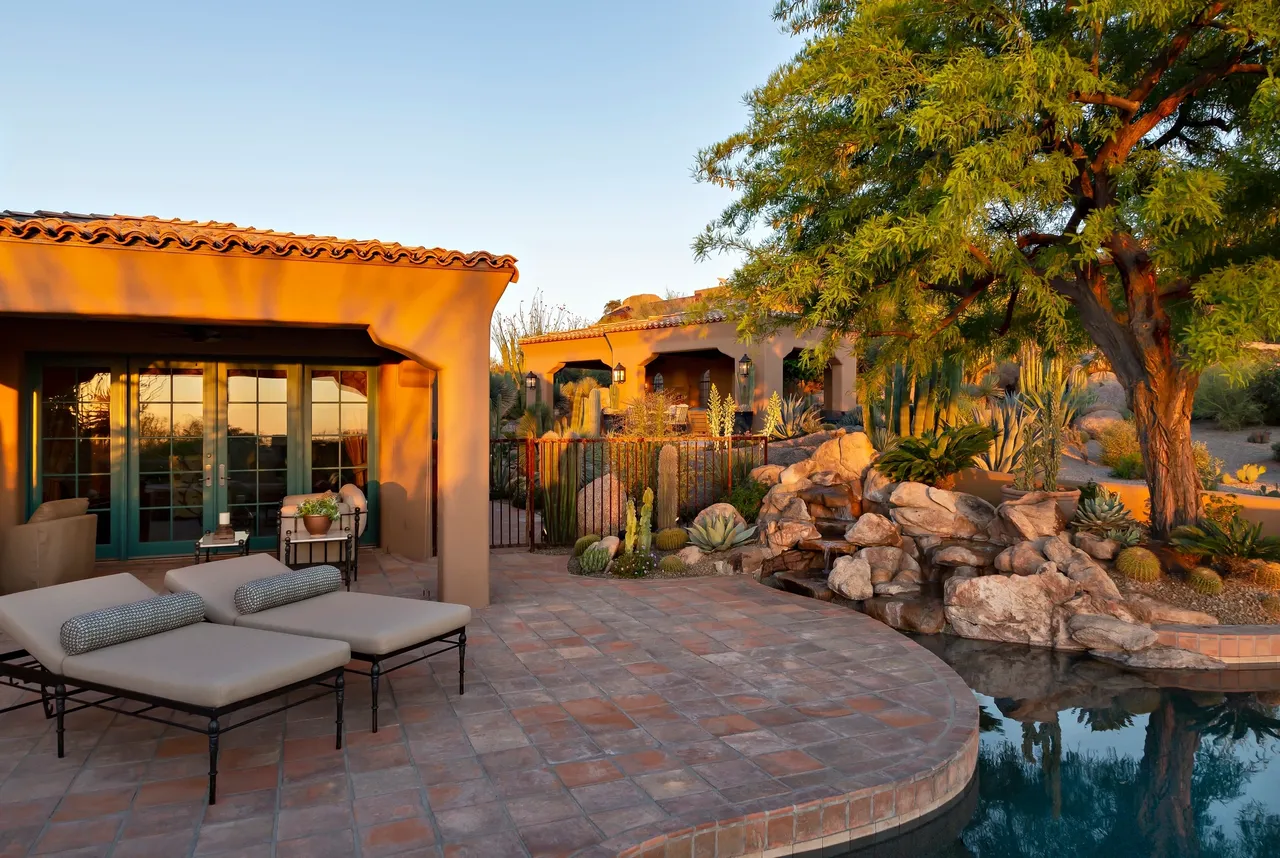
x=224 y=530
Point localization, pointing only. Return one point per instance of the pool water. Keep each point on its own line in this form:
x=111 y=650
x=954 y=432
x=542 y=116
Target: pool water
x=1082 y=759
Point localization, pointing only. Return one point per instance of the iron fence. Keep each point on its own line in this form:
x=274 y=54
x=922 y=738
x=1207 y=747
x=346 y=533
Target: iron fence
x=551 y=491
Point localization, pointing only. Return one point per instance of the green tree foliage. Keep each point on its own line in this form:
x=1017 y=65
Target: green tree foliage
x=936 y=175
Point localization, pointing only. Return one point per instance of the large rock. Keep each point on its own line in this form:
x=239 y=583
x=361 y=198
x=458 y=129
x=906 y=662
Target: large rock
x=1155 y=611
x=897 y=588
x=767 y=474
x=1097 y=421
x=720 y=510
x=602 y=506
x=849 y=456
x=1022 y=558
x=1014 y=609
x=877 y=488
x=784 y=526
x=873 y=529
x=888 y=562
x=1095 y=546
x=921 y=615
x=851 y=578
x=919 y=510
x=794 y=474
x=1032 y=516
x=753 y=559
x=610 y=544
x=963 y=553
x=1108 y=393
x=1079 y=566
x=1095 y=632
x=1161 y=658
x=691 y=555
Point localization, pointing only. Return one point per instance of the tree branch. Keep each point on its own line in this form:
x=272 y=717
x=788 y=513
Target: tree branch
x=1181 y=123
x=1008 y=313
x=1169 y=55
x=1107 y=100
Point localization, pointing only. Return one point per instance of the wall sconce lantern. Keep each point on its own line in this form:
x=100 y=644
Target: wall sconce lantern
x=744 y=367
x=619 y=374
x=530 y=381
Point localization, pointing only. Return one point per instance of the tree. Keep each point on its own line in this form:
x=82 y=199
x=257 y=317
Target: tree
x=936 y=176
x=506 y=331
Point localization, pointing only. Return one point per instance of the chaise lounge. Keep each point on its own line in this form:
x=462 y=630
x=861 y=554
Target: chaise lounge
x=377 y=628
x=114 y=636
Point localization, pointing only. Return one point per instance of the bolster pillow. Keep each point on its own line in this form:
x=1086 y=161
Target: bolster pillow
x=119 y=623
x=286 y=588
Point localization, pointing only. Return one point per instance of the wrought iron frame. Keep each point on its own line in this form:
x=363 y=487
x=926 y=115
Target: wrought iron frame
x=376 y=671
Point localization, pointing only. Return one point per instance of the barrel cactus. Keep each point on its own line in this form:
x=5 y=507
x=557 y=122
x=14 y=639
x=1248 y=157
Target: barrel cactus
x=594 y=560
x=1138 y=564
x=1204 y=581
x=671 y=564
x=671 y=539
x=1268 y=576
x=585 y=542
x=1271 y=604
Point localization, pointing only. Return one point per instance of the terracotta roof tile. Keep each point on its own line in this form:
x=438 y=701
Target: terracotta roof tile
x=149 y=231
x=674 y=320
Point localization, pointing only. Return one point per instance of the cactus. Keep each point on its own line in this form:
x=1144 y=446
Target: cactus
x=668 y=486
x=1268 y=575
x=1101 y=513
x=644 y=541
x=671 y=539
x=1138 y=564
x=629 y=539
x=671 y=564
x=593 y=419
x=1271 y=604
x=915 y=402
x=584 y=543
x=559 y=472
x=1204 y=581
x=594 y=560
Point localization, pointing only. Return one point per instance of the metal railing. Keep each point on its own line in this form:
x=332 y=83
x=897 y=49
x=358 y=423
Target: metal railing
x=551 y=491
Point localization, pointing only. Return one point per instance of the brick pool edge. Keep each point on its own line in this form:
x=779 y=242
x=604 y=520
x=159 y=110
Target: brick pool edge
x=1235 y=646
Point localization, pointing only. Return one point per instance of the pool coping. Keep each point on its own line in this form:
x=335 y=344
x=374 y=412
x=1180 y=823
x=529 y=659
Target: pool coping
x=1234 y=646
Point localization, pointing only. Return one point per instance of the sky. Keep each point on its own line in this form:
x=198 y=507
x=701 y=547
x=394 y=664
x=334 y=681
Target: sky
x=561 y=132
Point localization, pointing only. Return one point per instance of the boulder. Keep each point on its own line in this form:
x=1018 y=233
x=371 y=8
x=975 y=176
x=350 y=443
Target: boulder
x=793 y=474
x=849 y=456
x=690 y=554
x=1108 y=393
x=784 y=456
x=1093 y=451
x=1095 y=633
x=922 y=615
x=851 y=577
x=610 y=544
x=805 y=584
x=876 y=487
x=961 y=553
x=602 y=506
x=753 y=559
x=1097 y=421
x=1014 y=609
x=1161 y=658
x=1155 y=611
x=889 y=561
x=1032 y=516
x=897 y=588
x=1022 y=558
x=873 y=529
x=920 y=510
x=767 y=474
x=718 y=510
x=1096 y=547
x=1079 y=566
x=784 y=527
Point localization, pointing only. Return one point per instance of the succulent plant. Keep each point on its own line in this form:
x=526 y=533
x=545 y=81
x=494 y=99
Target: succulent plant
x=1138 y=564
x=634 y=565
x=1271 y=604
x=594 y=560
x=719 y=533
x=671 y=539
x=584 y=542
x=1126 y=538
x=1232 y=544
x=935 y=459
x=1250 y=473
x=1204 y=581
x=1101 y=513
x=1268 y=575
x=671 y=563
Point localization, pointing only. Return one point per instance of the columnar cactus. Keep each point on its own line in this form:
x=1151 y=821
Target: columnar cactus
x=668 y=486
x=645 y=538
x=593 y=418
x=629 y=538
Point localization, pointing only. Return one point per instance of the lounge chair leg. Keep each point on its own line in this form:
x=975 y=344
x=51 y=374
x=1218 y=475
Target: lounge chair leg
x=339 y=685
x=462 y=660
x=213 y=761
x=60 y=712
x=375 y=674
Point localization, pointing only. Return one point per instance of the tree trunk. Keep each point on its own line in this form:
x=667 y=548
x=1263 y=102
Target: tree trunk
x=1165 y=817
x=1162 y=413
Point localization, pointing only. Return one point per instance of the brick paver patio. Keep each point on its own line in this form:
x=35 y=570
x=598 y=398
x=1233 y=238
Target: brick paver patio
x=707 y=717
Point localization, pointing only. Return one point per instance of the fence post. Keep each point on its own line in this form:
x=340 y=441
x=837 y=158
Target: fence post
x=530 y=450
x=729 y=479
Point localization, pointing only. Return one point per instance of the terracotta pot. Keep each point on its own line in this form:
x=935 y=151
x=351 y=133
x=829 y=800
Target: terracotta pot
x=1068 y=500
x=317 y=525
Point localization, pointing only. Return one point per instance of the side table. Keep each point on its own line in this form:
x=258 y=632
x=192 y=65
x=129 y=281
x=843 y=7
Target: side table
x=345 y=539
x=210 y=546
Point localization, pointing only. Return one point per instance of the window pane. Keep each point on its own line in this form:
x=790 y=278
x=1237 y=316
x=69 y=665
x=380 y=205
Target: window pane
x=188 y=489
x=273 y=452
x=104 y=526
x=242 y=453
x=94 y=384
x=188 y=524
x=154 y=386
x=188 y=454
x=242 y=487
x=154 y=490
x=59 y=420
x=95 y=456
x=324 y=480
x=355 y=385
x=242 y=385
x=360 y=477
x=242 y=419
x=188 y=385
x=268 y=520
x=153 y=454
x=59 y=456
x=59 y=382
x=94 y=420
x=324 y=385
x=58 y=488
x=273 y=385
x=355 y=418
x=273 y=419
x=272 y=486
x=324 y=453
x=242 y=518
x=153 y=525
x=324 y=419
x=355 y=451
x=153 y=419
x=188 y=419
x=97 y=489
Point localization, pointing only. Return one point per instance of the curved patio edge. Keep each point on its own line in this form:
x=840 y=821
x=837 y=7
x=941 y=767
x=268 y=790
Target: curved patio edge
x=1250 y=646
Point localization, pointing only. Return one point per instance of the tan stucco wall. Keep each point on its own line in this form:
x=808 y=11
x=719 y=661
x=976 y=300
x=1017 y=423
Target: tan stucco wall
x=437 y=316
x=682 y=372
x=635 y=349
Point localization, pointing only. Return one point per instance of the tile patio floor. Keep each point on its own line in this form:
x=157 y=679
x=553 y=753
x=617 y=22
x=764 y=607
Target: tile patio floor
x=653 y=719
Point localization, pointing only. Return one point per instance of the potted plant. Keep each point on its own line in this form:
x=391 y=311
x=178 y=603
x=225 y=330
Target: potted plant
x=1042 y=458
x=318 y=514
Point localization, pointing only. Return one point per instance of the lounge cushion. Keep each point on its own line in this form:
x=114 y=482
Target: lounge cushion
x=217 y=582
x=34 y=618
x=110 y=626
x=54 y=510
x=208 y=665
x=371 y=624
x=285 y=588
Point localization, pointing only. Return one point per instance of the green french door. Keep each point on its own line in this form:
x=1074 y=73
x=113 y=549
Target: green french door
x=208 y=438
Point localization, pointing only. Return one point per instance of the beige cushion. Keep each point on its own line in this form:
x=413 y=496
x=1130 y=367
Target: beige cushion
x=371 y=624
x=216 y=582
x=53 y=551
x=207 y=664
x=34 y=618
x=54 y=510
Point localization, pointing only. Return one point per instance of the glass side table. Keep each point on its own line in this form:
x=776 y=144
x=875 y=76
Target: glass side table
x=344 y=539
x=211 y=546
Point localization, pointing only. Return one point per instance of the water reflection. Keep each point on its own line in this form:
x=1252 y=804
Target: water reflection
x=1082 y=759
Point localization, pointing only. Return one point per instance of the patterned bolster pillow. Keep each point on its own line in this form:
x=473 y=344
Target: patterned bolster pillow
x=286 y=588
x=120 y=623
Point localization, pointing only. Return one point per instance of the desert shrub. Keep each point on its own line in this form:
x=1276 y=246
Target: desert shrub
x=1220 y=508
x=746 y=498
x=1231 y=546
x=1264 y=389
x=1129 y=467
x=1119 y=440
x=1100 y=512
x=1227 y=400
x=719 y=533
x=1208 y=466
x=793 y=418
x=638 y=564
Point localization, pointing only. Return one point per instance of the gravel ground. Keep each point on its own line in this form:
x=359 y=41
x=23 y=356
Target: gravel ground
x=705 y=568
x=1238 y=604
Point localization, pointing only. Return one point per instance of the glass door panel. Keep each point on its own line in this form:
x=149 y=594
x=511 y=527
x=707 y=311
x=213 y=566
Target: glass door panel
x=257 y=436
x=339 y=429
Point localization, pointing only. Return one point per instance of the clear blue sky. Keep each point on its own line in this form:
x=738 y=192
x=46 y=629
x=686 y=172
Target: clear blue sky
x=561 y=132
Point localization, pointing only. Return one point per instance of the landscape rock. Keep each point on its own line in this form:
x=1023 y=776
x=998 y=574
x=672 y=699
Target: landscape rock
x=1161 y=658
x=793 y=474
x=787 y=526
x=876 y=487
x=920 y=510
x=1095 y=633
x=1014 y=609
x=1032 y=516
x=805 y=584
x=1022 y=558
x=1093 y=451
x=891 y=560
x=1079 y=566
x=873 y=529
x=1095 y=422
x=610 y=544
x=955 y=553
x=1153 y=610
x=851 y=577
x=767 y=474
x=753 y=559
x=897 y=588
x=922 y=615
x=1097 y=547
x=718 y=510
x=1108 y=393
x=849 y=455
x=602 y=506
x=690 y=554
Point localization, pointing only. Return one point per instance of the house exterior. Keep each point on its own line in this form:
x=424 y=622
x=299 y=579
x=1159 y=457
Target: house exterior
x=675 y=347
x=173 y=370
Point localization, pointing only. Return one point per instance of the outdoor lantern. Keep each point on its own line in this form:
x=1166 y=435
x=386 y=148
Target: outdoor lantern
x=744 y=367
x=619 y=374
x=531 y=381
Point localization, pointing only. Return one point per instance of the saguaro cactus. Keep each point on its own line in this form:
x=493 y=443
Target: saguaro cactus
x=668 y=486
x=591 y=423
x=559 y=475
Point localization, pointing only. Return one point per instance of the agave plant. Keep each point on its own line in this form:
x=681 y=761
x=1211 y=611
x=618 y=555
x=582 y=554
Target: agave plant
x=1010 y=423
x=935 y=459
x=1102 y=513
x=1231 y=545
x=790 y=419
x=719 y=533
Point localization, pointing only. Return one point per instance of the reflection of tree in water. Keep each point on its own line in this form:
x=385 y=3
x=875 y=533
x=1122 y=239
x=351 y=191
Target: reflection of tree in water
x=1038 y=800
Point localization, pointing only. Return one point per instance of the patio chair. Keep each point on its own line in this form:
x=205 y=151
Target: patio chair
x=353 y=515
x=377 y=628
x=188 y=666
x=55 y=546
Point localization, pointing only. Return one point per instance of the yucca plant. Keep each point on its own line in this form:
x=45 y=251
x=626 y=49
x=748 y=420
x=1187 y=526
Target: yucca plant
x=719 y=533
x=935 y=459
x=1102 y=513
x=1010 y=424
x=1231 y=545
x=790 y=419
